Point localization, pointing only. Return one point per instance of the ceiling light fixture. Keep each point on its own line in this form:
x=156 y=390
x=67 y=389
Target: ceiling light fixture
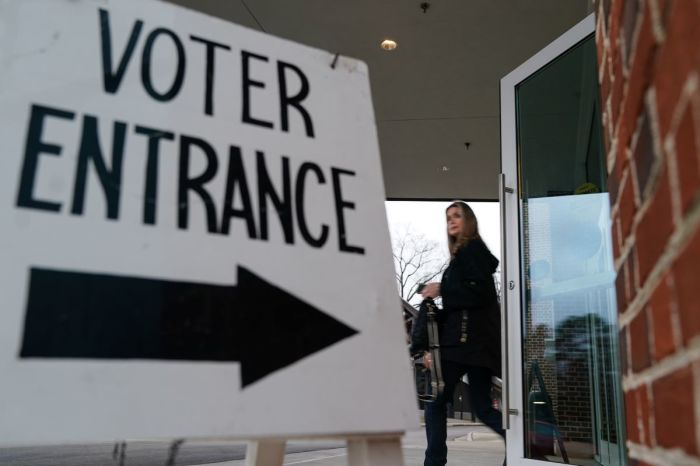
x=388 y=45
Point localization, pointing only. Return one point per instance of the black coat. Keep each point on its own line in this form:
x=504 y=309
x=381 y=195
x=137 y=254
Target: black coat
x=470 y=321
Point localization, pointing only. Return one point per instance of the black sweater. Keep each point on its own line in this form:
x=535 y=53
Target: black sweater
x=470 y=321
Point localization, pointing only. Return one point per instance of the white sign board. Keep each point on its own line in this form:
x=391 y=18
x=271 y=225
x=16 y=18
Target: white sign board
x=193 y=239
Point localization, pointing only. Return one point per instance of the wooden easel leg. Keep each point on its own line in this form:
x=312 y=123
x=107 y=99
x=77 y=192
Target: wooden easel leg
x=383 y=451
x=265 y=453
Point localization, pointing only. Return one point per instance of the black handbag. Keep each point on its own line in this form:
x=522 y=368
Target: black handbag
x=425 y=339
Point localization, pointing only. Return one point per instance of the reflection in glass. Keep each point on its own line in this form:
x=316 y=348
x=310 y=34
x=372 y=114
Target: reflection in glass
x=571 y=376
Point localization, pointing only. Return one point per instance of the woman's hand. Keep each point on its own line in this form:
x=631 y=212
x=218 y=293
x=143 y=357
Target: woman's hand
x=427 y=360
x=431 y=290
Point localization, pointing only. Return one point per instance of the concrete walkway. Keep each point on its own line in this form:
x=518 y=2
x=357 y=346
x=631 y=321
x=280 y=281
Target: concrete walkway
x=477 y=447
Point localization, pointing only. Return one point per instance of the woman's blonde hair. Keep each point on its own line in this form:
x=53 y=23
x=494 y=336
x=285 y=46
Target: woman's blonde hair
x=471 y=231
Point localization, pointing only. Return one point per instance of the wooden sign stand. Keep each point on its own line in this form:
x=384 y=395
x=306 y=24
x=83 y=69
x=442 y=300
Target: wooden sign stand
x=363 y=450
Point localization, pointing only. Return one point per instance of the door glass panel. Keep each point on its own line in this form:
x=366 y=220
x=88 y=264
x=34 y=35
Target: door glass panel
x=570 y=363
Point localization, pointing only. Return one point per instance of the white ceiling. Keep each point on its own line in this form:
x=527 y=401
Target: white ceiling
x=438 y=89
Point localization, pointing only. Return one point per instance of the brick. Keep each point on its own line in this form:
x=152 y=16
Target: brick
x=645 y=156
x=627 y=209
x=629 y=295
x=685 y=274
x=614 y=24
x=621 y=289
x=625 y=128
x=639 y=342
x=635 y=285
x=607 y=143
x=655 y=228
x=646 y=417
x=623 y=134
x=676 y=58
x=657 y=7
x=615 y=237
x=614 y=182
x=629 y=22
x=618 y=86
x=607 y=138
x=638 y=416
x=621 y=156
x=687 y=153
x=640 y=75
x=631 y=416
x=605 y=84
x=631 y=280
x=606 y=12
x=624 y=359
x=674 y=401
x=660 y=304
x=664 y=7
x=599 y=41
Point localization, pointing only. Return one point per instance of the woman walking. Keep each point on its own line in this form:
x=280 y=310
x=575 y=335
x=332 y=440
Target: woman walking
x=469 y=329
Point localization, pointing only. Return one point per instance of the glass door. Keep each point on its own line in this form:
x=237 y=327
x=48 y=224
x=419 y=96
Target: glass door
x=562 y=397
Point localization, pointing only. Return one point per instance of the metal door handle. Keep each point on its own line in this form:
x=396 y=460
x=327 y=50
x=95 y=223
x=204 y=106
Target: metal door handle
x=505 y=287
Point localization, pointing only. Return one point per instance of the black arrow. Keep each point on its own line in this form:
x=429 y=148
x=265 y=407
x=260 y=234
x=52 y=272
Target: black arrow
x=98 y=316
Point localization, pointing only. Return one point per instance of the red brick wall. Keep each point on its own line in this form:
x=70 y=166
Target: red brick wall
x=649 y=71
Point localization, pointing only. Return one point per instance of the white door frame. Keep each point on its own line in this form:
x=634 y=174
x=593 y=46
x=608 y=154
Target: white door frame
x=510 y=240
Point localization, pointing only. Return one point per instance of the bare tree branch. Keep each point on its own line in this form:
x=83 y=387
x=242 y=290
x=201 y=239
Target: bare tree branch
x=417 y=260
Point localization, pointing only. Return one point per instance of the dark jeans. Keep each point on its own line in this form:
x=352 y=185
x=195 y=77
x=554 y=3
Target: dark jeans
x=436 y=412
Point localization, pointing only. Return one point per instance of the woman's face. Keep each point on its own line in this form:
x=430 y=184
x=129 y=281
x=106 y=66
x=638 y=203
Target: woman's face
x=456 y=225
